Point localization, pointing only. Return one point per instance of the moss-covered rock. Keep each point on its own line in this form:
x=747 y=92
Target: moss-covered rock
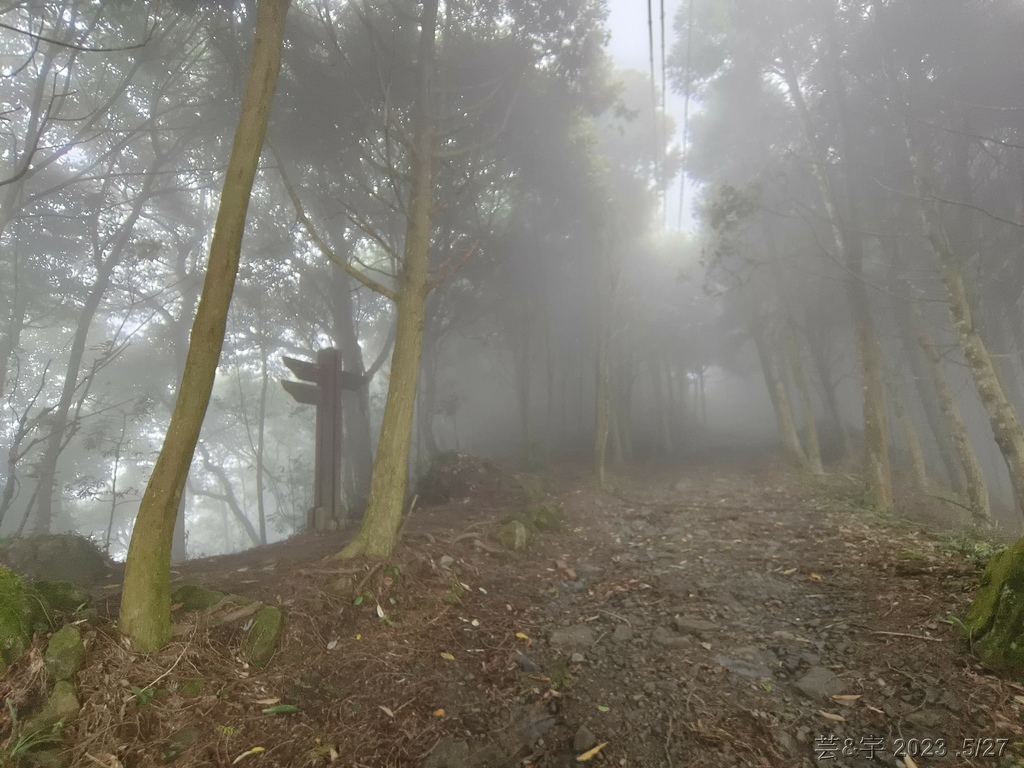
x=65 y=653
x=547 y=518
x=513 y=535
x=996 y=618
x=57 y=557
x=63 y=595
x=47 y=758
x=261 y=640
x=196 y=598
x=62 y=705
x=15 y=618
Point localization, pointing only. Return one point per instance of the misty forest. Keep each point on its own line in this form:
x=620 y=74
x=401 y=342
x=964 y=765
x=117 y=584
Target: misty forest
x=471 y=383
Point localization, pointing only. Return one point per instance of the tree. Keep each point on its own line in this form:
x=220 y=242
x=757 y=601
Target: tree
x=145 y=603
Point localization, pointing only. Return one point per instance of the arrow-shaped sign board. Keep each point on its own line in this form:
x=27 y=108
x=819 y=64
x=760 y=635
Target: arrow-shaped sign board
x=303 y=369
x=308 y=394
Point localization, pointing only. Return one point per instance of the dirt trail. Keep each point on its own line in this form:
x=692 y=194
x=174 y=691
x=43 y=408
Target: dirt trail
x=710 y=616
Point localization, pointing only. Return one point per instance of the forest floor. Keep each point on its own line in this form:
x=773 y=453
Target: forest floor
x=702 y=616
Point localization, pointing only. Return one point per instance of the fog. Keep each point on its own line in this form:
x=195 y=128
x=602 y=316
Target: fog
x=842 y=290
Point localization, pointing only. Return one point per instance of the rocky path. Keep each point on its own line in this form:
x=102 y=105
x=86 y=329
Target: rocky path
x=707 y=616
x=728 y=618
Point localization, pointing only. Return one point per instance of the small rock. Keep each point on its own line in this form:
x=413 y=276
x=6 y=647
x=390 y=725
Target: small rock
x=666 y=638
x=577 y=658
x=950 y=702
x=926 y=718
x=788 y=743
x=65 y=654
x=744 y=668
x=513 y=535
x=526 y=664
x=622 y=633
x=196 y=598
x=583 y=740
x=578 y=636
x=62 y=705
x=820 y=683
x=446 y=561
x=261 y=640
x=693 y=626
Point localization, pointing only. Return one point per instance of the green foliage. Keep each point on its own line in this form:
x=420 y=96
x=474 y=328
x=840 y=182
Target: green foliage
x=561 y=677
x=973 y=546
x=454 y=595
x=21 y=742
x=143 y=696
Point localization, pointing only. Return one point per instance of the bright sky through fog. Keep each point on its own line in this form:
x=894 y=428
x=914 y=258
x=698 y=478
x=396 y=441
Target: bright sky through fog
x=627 y=20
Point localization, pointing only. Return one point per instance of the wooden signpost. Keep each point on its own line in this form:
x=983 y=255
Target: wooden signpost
x=320 y=384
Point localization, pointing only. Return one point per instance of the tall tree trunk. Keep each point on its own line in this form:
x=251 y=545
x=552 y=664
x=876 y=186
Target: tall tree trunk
x=913 y=441
x=602 y=390
x=777 y=392
x=846 y=233
x=521 y=359
x=662 y=406
x=379 y=531
x=357 y=439
x=427 y=405
x=938 y=423
x=146 y=601
x=828 y=394
x=810 y=423
x=976 y=490
x=261 y=434
x=55 y=441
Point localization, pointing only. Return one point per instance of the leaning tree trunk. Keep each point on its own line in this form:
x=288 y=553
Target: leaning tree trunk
x=976 y=490
x=145 y=602
x=810 y=424
x=938 y=422
x=379 y=532
x=779 y=397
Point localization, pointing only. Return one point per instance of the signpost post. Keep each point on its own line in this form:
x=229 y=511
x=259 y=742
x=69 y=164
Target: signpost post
x=320 y=384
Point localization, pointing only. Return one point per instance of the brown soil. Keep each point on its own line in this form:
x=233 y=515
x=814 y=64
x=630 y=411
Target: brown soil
x=736 y=615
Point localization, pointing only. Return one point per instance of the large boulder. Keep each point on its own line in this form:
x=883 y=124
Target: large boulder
x=996 y=620
x=57 y=557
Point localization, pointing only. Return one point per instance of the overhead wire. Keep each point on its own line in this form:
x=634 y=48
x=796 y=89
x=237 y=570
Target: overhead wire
x=686 y=110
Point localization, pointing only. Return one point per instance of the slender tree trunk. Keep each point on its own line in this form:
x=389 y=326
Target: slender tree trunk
x=602 y=391
x=662 y=406
x=976 y=490
x=55 y=441
x=261 y=434
x=427 y=405
x=145 y=602
x=358 y=442
x=910 y=436
x=921 y=372
x=379 y=531
x=810 y=423
x=521 y=356
x=828 y=395
x=779 y=397
x=850 y=248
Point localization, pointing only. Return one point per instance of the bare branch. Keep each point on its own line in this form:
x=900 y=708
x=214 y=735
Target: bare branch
x=322 y=244
x=75 y=46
